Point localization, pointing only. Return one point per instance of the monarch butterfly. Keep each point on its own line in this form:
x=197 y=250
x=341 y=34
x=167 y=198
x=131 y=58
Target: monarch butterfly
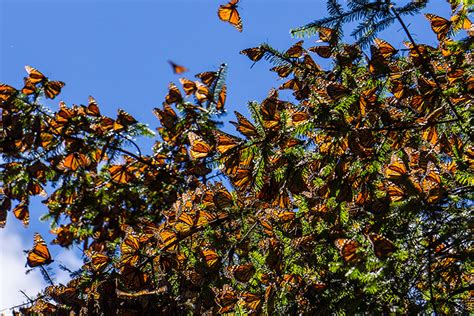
x=347 y=249
x=39 y=255
x=29 y=87
x=395 y=193
x=439 y=25
x=184 y=224
x=292 y=84
x=41 y=307
x=53 y=88
x=202 y=93
x=305 y=242
x=62 y=294
x=254 y=53
x=168 y=239
x=211 y=257
x=207 y=77
x=221 y=99
x=299 y=117
x=174 y=95
x=92 y=108
x=328 y=35
x=228 y=13
x=225 y=142
x=225 y=298
x=243 y=273
x=323 y=51
x=384 y=48
x=123 y=120
x=267 y=227
x=337 y=91
x=121 y=173
x=244 y=126
x=296 y=50
x=6 y=91
x=167 y=116
x=223 y=199
x=199 y=148
x=292 y=280
x=34 y=75
x=129 y=249
x=22 y=213
x=243 y=178
x=133 y=278
x=98 y=260
x=282 y=71
x=251 y=301
x=177 y=69
x=188 y=86
x=270 y=116
x=382 y=246
x=63 y=235
x=396 y=169
x=75 y=160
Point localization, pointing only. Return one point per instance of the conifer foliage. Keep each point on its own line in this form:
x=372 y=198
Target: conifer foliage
x=355 y=196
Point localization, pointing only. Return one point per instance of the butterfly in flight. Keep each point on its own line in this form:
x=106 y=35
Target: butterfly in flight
x=228 y=13
x=39 y=255
x=177 y=69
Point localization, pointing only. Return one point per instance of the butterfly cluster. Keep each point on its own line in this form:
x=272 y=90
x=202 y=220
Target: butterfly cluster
x=346 y=189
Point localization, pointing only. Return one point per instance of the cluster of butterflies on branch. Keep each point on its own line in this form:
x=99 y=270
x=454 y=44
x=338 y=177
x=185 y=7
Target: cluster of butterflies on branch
x=313 y=197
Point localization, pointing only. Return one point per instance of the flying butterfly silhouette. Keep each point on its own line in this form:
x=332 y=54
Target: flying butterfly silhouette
x=177 y=69
x=39 y=255
x=228 y=13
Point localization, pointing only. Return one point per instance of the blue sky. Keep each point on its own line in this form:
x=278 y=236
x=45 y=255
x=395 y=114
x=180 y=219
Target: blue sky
x=117 y=51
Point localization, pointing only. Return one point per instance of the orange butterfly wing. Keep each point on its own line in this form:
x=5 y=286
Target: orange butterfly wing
x=439 y=25
x=199 y=148
x=34 y=75
x=177 y=69
x=228 y=13
x=39 y=255
x=53 y=88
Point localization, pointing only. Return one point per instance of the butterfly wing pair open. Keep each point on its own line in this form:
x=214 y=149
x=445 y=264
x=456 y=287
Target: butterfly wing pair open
x=39 y=255
x=228 y=13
